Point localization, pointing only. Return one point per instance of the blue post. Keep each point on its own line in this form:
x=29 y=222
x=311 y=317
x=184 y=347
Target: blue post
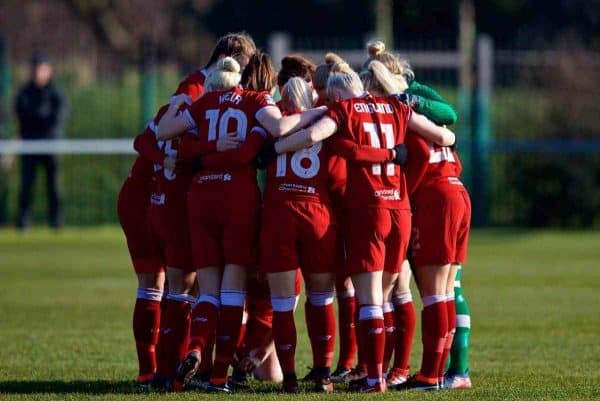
x=480 y=147
x=148 y=85
x=5 y=126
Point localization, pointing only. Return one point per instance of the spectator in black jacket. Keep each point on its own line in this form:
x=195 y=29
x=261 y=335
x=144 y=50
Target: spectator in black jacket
x=41 y=109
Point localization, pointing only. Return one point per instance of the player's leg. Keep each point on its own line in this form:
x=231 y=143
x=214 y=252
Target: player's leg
x=346 y=299
x=233 y=297
x=204 y=317
x=175 y=322
x=451 y=317
x=389 y=282
x=458 y=370
x=238 y=242
x=457 y=375
x=269 y=369
x=432 y=280
x=405 y=320
x=146 y=322
x=148 y=266
x=283 y=298
x=371 y=325
x=321 y=316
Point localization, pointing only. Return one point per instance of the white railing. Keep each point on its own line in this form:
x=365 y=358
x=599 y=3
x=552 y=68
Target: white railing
x=66 y=146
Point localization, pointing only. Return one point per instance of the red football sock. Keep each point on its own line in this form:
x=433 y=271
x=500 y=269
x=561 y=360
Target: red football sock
x=146 y=325
x=372 y=338
x=228 y=332
x=390 y=334
x=451 y=313
x=259 y=326
x=321 y=316
x=206 y=357
x=284 y=332
x=175 y=327
x=204 y=323
x=434 y=318
x=347 y=315
x=406 y=320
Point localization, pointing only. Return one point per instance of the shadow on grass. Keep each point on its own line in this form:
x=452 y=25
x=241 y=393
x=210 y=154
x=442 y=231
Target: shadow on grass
x=67 y=387
x=98 y=387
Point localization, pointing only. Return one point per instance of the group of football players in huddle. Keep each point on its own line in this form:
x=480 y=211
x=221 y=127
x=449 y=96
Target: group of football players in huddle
x=234 y=201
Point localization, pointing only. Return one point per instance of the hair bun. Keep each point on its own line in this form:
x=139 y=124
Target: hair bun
x=290 y=63
x=375 y=48
x=341 y=67
x=332 y=58
x=229 y=64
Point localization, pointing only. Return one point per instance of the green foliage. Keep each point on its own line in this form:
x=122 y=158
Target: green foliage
x=67 y=300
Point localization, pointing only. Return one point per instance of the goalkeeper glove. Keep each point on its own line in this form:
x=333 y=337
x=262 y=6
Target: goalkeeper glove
x=401 y=154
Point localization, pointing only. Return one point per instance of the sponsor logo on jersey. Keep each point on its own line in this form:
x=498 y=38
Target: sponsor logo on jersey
x=223 y=177
x=388 y=194
x=291 y=187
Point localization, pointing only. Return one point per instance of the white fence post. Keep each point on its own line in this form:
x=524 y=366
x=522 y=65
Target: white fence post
x=280 y=45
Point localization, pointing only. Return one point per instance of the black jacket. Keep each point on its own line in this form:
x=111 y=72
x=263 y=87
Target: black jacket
x=41 y=111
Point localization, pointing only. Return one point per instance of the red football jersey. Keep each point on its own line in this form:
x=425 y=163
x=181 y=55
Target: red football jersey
x=375 y=122
x=428 y=162
x=300 y=176
x=193 y=84
x=215 y=115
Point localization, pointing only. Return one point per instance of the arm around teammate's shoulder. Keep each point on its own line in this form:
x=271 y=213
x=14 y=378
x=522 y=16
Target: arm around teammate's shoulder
x=428 y=130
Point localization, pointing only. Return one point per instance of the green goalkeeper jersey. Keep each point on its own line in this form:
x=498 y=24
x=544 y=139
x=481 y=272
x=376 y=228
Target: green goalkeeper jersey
x=432 y=105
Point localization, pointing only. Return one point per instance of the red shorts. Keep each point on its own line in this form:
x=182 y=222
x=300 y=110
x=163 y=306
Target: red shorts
x=298 y=234
x=132 y=206
x=224 y=224
x=441 y=221
x=376 y=240
x=170 y=232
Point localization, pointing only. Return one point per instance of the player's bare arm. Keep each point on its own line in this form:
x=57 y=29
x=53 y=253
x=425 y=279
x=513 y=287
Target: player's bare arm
x=319 y=131
x=270 y=118
x=428 y=130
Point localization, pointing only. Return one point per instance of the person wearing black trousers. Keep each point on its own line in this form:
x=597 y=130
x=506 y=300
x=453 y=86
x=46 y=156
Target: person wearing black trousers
x=41 y=109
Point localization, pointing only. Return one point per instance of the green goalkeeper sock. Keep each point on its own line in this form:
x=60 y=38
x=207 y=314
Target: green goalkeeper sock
x=459 y=355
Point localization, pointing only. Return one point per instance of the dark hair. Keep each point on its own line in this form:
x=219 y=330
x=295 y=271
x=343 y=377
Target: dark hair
x=238 y=45
x=38 y=58
x=259 y=75
x=295 y=66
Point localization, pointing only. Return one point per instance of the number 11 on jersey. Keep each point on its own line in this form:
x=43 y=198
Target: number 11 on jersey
x=388 y=135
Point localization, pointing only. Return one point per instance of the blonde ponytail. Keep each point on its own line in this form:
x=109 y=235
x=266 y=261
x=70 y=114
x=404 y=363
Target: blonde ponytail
x=343 y=77
x=377 y=78
x=397 y=65
x=375 y=48
x=296 y=95
x=323 y=71
x=226 y=75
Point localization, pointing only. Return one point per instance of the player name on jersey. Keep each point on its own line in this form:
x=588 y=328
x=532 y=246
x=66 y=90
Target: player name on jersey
x=381 y=108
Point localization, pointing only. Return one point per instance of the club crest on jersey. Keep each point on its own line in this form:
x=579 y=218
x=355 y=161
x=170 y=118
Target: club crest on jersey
x=157 y=199
x=230 y=97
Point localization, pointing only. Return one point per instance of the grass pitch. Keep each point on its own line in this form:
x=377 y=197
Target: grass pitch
x=66 y=301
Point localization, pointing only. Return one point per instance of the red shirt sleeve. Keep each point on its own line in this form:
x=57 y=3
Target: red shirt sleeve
x=335 y=112
x=337 y=177
x=145 y=145
x=417 y=161
x=350 y=150
x=237 y=157
x=192 y=146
